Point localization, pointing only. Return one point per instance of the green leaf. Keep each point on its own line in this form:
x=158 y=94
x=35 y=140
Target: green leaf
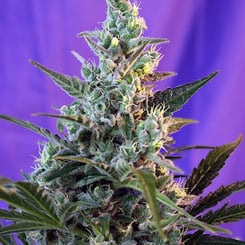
x=225 y=215
x=164 y=163
x=43 y=132
x=135 y=42
x=174 y=98
x=123 y=170
x=128 y=203
x=23 y=238
x=72 y=86
x=97 y=49
x=147 y=182
x=63 y=171
x=209 y=168
x=17 y=216
x=213 y=198
x=215 y=240
x=168 y=202
x=72 y=118
x=89 y=179
x=39 y=197
x=102 y=168
x=127 y=65
x=165 y=200
x=208 y=219
x=126 y=125
x=7 y=239
x=31 y=199
x=24 y=227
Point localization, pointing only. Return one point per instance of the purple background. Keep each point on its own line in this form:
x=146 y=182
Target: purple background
x=204 y=36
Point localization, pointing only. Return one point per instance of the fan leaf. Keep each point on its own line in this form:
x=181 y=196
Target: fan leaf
x=7 y=240
x=102 y=168
x=72 y=86
x=63 y=171
x=40 y=197
x=213 y=198
x=225 y=214
x=24 y=227
x=31 y=199
x=17 y=216
x=209 y=168
x=168 y=202
x=41 y=131
x=215 y=240
x=174 y=98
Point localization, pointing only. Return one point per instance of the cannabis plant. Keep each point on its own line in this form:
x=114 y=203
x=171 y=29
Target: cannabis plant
x=110 y=176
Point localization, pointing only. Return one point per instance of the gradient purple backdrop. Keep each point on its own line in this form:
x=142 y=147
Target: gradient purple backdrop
x=204 y=36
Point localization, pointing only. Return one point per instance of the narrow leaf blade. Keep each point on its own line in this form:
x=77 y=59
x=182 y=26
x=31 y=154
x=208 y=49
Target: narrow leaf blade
x=158 y=76
x=147 y=182
x=174 y=98
x=31 y=199
x=24 y=227
x=216 y=240
x=225 y=214
x=168 y=202
x=72 y=86
x=40 y=197
x=41 y=131
x=209 y=168
x=17 y=216
x=213 y=198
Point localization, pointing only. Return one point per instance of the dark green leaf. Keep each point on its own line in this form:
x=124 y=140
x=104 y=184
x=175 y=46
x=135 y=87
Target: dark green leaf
x=209 y=168
x=129 y=202
x=135 y=42
x=7 y=239
x=71 y=118
x=63 y=171
x=213 y=198
x=17 y=216
x=126 y=125
x=168 y=202
x=147 y=183
x=72 y=86
x=225 y=214
x=24 y=227
x=103 y=169
x=31 y=199
x=174 y=98
x=215 y=240
x=23 y=239
x=206 y=227
x=43 y=132
x=12 y=197
x=90 y=179
x=40 y=197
